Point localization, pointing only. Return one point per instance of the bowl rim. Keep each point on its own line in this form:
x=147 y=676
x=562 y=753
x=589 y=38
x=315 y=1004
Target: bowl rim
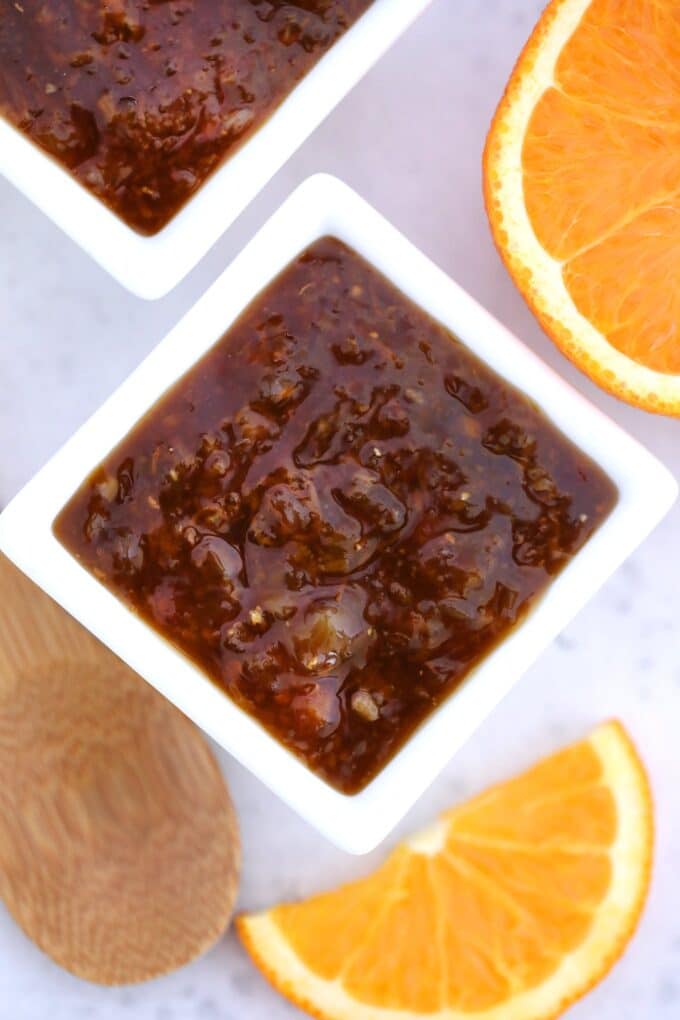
x=151 y=266
x=323 y=206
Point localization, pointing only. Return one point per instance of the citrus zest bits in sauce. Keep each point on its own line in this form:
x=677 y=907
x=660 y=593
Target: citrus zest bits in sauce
x=337 y=513
x=142 y=100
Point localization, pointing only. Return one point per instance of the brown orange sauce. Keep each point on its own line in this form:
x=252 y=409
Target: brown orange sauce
x=337 y=513
x=142 y=99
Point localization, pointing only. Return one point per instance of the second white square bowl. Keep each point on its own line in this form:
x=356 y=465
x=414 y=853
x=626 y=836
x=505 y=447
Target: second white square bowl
x=152 y=266
x=323 y=206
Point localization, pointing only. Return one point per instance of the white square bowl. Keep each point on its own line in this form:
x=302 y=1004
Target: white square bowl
x=151 y=266
x=322 y=206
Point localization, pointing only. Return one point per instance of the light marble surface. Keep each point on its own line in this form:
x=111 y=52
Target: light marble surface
x=409 y=138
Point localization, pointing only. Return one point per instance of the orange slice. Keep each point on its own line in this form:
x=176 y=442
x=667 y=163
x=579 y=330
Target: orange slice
x=582 y=184
x=508 y=908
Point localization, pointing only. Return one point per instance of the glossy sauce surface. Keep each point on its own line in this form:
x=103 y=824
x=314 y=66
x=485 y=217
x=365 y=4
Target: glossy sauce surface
x=337 y=513
x=142 y=99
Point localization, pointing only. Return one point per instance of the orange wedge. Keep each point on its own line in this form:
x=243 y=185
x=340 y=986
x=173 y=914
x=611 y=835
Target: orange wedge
x=582 y=184
x=508 y=908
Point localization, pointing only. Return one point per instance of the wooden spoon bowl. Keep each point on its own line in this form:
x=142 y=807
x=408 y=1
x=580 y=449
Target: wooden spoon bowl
x=119 y=850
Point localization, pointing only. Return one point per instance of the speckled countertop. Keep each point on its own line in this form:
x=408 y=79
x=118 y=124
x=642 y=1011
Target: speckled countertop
x=409 y=138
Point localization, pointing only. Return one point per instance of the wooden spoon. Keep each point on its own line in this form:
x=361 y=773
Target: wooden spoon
x=119 y=849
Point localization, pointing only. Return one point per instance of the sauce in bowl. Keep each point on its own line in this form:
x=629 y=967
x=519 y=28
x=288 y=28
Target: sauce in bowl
x=337 y=513
x=142 y=100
